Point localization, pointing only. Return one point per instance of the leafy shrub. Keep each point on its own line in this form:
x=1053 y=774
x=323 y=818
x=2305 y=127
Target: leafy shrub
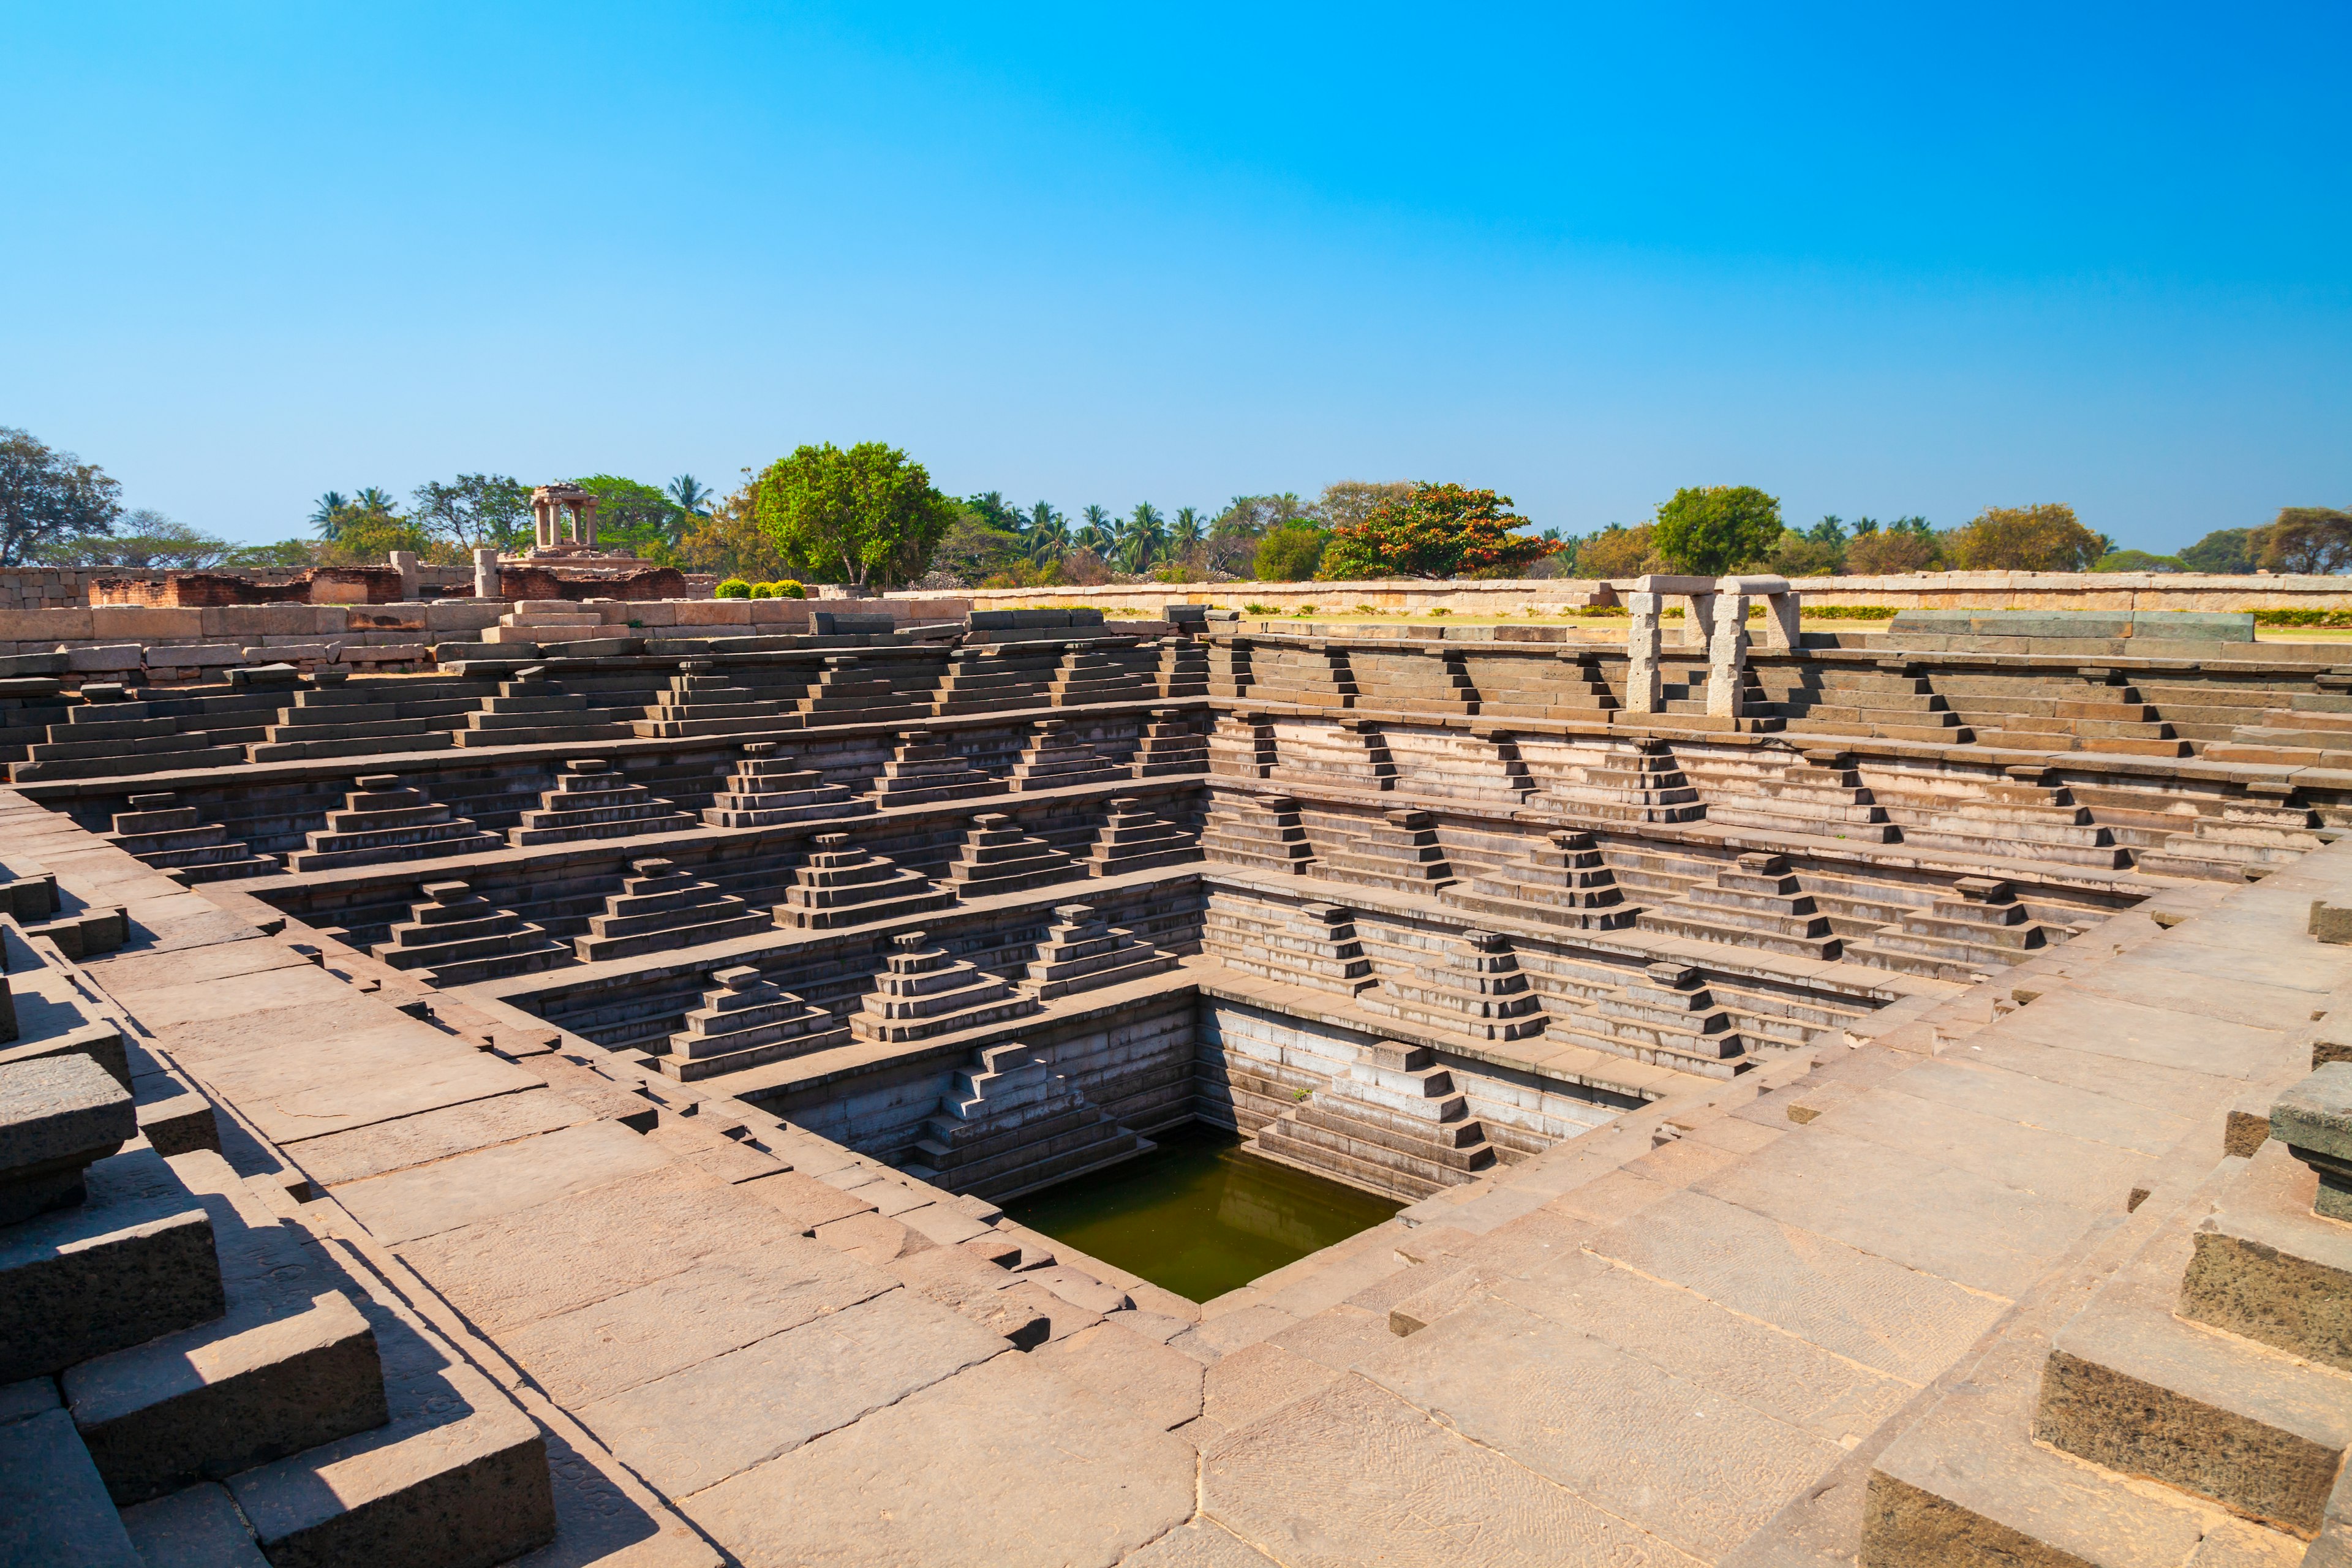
x=2303 y=617
x=733 y=588
x=1440 y=610
x=764 y=590
x=788 y=589
x=1849 y=611
x=1290 y=554
x=1304 y=610
x=1368 y=609
x=1262 y=609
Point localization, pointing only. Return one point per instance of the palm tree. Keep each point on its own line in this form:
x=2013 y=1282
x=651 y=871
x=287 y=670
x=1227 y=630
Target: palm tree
x=1186 y=530
x=1141 y=537
x=1096 y=535
x=690 y=495
x=324 y=519
x=375 y=500
x=1047 y=537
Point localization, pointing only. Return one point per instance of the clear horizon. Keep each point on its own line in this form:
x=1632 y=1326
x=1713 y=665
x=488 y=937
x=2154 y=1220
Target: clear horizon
x=1876 y=263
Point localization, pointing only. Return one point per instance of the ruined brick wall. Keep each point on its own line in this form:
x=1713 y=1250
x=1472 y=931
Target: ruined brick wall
x=546 y=583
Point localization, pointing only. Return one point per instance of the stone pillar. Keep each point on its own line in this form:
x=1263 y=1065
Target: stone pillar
x=542 y=520
x=1781 y=612
x=486 y=574
x=1727 y=655
x=404 y=562
x=586 y=511
x=1642 y=687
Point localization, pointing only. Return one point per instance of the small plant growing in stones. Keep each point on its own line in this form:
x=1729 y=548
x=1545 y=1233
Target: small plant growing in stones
x=1440 y=610
x=1368 y=609
x=1262 y=609
x=1304 y=610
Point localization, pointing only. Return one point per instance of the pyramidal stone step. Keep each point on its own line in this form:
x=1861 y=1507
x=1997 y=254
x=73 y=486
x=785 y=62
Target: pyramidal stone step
x=1083 y=951
x=591 y=801
x=1242 y=746
x=109 y=735
x=660 y=907
x=926 y=769
x=456 y=937
x=1263 y=832
x=767 y=787
x=1393 y=1123
x=1757 y=903
x=1134 y=838
x=1056 y=759
x=1977 y=929
x=1010 y=1123
x=1172 y=744
x=531 y=710
x=1313 y=945
x=160 y=832
x=1823 y=797
x=383 y=820
x=331 y=718
x=1398 y=849
x=701 y=701
x=746 y=1021
x=841 y=886
x=1477 y=991
x=923 y=992
x=1643 y=786
x=1563 y=882
x=998 y=858
x=1667 y=1017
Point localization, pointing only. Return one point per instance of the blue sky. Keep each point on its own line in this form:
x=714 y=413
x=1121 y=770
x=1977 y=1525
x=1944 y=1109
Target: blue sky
x=1875 y=259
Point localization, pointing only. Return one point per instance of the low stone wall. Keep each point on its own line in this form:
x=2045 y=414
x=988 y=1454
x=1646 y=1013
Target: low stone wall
x=2115 y=590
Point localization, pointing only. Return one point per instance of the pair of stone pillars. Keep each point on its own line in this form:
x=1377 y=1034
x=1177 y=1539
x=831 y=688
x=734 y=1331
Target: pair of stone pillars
x=1715 y=620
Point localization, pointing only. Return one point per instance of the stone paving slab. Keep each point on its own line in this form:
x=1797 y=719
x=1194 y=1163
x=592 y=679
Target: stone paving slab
x=335 y=1158
x=723 y=1301
x=2080 y=1172
x=407 y=1205
x=1354 y=1475
x=1024 y=1470
x=1128 y=1371
x=1199 y=1545
x=1970 y=1083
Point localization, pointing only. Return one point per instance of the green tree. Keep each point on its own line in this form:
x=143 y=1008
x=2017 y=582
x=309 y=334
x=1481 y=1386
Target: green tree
x=1351 y=501
x=1616 y=552
x=2226 y=552
x=689 y=497
x=143 y=540
x=47 y=497
x=1096 y=531
x=1711 y=529
x=867 y=513
x=2041 y=537
x=1185 y=533
x=372 y=501
x=1290 y=552
x=474 y=512
x=323 y=514
x=633 y=513
x=365 y=535
x=1047 y=537
x=1438 y=530
x=1142 y=537
x=2308 y=540
x=287 y=555
x=974 y=547
x=1893 y=551
x=2136 y=561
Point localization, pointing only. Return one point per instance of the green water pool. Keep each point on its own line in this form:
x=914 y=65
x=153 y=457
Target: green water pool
x=1199 y=1216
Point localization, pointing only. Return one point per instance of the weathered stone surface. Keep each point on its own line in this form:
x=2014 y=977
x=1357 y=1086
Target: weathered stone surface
x=1130 y=1372
x=1040 y=1476
x=406 y=1204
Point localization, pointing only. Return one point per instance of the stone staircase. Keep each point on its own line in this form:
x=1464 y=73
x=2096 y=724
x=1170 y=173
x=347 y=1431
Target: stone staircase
x=2268 y=827
x=659 y=908
x=746 y=1021
x=160 y=832
x=1010 y=1123
x=1083 y=951
x=927 y=769
x=1894 y=701
x=2104 y=714
x=1242 y=746
x=698 y=700
x=1977 y=929
x=455 y=937
x=1561 y=881
x=841 y=886
x=2018 y=817
x=1667 y=1017
x=1134 y=838
x=1485 y=767
x=331 y=718
x=1393 y=1125
x=996 y=856
x=1171 y=744
x=1183 y=667
x=530 y=709
x=1056 y=759
x=994 y=680
x=1413 y=681
x=1396 y=850
x=382 y=821
x=191 y=1378
x=855 y=691
x=1642 y=784
x=1568 y=685
x=1097 y=671
x=589 y=800
x=767 y=787
x=1313 y=945
x=1263 y=832
x=1301 y=673
x=1476 y=991
x=2196 y=1406
x=1754 y=902
x=106 y=735
x=1350 y=754
x=1822 y=796
x=922 y=992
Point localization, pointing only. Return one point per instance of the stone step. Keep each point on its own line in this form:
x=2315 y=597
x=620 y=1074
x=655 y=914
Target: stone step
x=1283 y=1142
x=54 y=1507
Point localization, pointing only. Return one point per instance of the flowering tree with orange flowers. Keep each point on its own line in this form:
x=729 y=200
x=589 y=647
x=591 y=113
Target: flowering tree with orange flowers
x=1438 y=530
